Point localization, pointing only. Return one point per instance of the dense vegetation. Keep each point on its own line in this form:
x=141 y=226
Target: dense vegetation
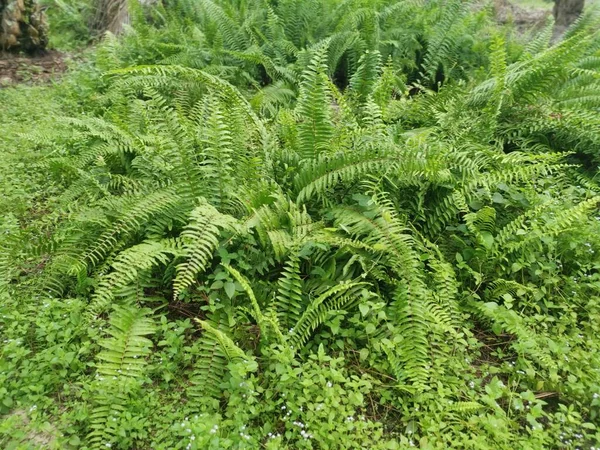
x=318 y=224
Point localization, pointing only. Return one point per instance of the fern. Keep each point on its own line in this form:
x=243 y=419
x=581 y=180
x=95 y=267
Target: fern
x=336 y=298
x=128 y=267
x=315 y=129
x=363 y=81
x=442 y=42
x=267 y=323
x=124 y=351
x=317 y=177
x=120 y=370
x=414 y=310
x=231 y=350
x=555 y=225
x=200 y=239
x=289 y=301
x=391 y=182
x=138 y=210
x=210 y=362
x=509 y=320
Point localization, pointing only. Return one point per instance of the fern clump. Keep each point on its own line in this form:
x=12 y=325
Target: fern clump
x=335 y=224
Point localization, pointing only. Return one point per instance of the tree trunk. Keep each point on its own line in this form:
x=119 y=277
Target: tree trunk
x=113 y=15
x=23 y=26
x=566 y=12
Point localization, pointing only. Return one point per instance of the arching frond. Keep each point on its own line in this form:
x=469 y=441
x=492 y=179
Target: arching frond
x=200 y=239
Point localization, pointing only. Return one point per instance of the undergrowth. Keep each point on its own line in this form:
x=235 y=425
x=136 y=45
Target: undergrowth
x=335 y=224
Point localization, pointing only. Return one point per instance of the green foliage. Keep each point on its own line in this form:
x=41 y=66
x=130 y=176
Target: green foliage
x=121 y=363
x=322 y=224
x=68 y=22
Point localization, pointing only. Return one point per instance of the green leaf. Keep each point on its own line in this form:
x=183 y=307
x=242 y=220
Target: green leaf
x=364 y=309
x=230 y=289
x=364 y=354
x=488 y=239
x=497 y=198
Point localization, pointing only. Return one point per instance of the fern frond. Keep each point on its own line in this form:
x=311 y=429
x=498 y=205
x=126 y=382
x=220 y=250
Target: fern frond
x=8 y=243
x=541 y=40
x=318 y=176
x=267 y=324
x=444 y=37
x=210 y=361
x=364 y=79
x=510 y=321
x=230 y=348
x=289 y=301
x=124 y=352
x=557 y=223
x=128 y=266
x=315 y=129
x=120 y=371
x=159 y=75
x=200 y=239
x=137 y=211
x=335 y=298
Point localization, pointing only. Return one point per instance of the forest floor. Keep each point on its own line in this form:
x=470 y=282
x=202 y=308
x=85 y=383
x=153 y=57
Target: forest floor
x=15 y=68
x=524 y=14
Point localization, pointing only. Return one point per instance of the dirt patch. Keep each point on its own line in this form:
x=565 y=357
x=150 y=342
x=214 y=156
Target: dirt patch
x=523 y=18
x=30 y=69
x=24 y=433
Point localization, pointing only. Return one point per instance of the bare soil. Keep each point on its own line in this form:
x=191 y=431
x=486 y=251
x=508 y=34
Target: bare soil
x=523 y=18
x=15 y=68
x=26 y=436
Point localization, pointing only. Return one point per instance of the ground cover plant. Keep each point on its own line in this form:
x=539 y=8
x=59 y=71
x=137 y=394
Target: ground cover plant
x=323 y=224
